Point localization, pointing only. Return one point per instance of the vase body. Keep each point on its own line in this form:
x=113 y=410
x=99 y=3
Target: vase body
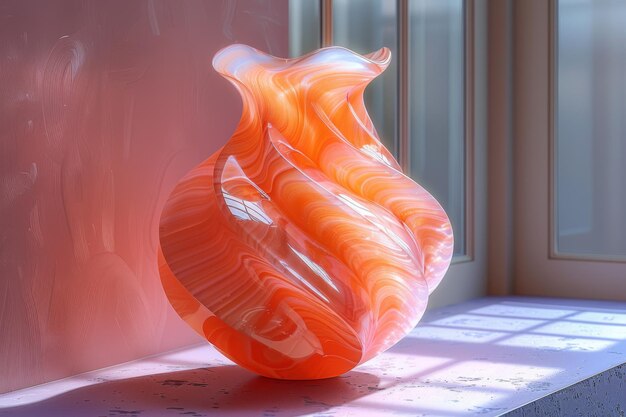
x=300 y=249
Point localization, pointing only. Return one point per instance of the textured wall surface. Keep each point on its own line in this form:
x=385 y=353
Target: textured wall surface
x=104 y=105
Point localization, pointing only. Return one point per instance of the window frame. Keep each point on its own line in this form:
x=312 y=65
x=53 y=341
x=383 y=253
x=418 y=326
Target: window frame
x=533 y=271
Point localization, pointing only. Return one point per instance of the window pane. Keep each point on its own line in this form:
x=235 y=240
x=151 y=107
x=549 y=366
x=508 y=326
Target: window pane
x=304 y=27
x=365 y=26
x=591 y=128
x=437 y=105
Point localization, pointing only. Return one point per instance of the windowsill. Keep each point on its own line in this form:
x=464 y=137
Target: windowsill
x=484 y=357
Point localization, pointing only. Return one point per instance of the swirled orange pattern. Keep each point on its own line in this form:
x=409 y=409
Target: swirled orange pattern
x=300 y=249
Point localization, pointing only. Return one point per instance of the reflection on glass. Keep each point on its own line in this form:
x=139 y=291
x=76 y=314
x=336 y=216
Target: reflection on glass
x=304 y=27
x=245 y=210
x=590 y=128
x=437 y=104
x=365 y=26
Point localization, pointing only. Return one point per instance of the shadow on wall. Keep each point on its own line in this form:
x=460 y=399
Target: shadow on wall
x=484 y=358
x=104 y=106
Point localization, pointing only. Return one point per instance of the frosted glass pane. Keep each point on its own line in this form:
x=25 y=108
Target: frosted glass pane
x=304 y=27
x=365 y=26
x=437 y=122
x=591 y=130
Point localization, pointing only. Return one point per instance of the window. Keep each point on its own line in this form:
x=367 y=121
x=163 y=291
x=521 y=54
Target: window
x=590 y=129
x=434 y=148
x=567 y=183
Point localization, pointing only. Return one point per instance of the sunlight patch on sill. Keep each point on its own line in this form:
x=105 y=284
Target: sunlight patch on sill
x=454 y=335
x=579 y=329
x=434 y=398
x=556 y=343
x=600 y=317
x=502 y=376
x=506 y=324
x=507 y=310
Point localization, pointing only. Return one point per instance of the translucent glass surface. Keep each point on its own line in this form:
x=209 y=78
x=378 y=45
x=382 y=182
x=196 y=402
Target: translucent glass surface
x=364 y=26
x=437 y=126
x=590 y=153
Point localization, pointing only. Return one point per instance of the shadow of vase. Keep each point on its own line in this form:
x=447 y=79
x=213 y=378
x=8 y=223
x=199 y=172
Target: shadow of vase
x=220 y=391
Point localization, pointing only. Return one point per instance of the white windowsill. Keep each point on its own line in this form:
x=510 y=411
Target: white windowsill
x=484 y=357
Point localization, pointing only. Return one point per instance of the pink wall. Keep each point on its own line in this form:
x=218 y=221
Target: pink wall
x=103 y=107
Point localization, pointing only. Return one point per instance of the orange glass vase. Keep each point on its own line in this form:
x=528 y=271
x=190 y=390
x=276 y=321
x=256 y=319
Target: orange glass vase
x=300 y=249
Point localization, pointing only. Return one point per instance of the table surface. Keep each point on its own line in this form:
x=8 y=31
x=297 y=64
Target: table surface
x=483 y=357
